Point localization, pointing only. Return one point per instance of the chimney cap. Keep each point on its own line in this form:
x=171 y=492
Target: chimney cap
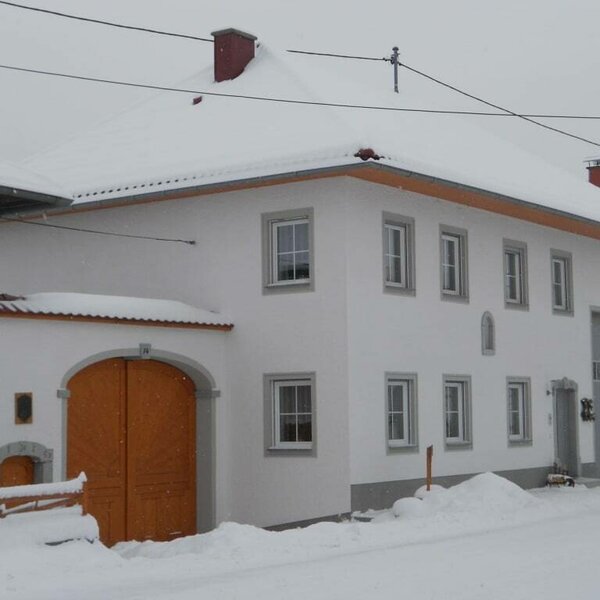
x=239 y=32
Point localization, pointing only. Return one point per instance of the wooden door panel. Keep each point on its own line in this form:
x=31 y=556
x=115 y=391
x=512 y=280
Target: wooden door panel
x=97 y=444
x=16 y=470
x=161 y=487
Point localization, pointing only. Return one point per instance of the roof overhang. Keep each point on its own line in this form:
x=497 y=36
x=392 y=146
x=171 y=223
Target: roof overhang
x=374 y=172
x=15 y=202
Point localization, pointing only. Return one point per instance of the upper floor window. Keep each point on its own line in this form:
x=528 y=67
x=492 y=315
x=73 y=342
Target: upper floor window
x=488 y=334
x=401 y=411
x=288 y=250
x=453 y=251
x=515 y=274
x=562 y=282
x=398 y=253
x=457 y=401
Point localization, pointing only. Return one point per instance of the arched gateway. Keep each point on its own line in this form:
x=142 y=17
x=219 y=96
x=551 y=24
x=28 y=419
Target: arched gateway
x=131 y=426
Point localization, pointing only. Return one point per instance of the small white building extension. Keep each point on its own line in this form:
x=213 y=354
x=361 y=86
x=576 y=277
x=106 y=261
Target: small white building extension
x=359 y=288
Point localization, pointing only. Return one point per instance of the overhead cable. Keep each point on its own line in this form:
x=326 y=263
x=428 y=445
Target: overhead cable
x=96 y=232
x=102 y=22
x=506 y=112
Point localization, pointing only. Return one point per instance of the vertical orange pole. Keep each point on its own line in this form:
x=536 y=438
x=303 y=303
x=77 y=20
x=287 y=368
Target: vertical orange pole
x=429 y=462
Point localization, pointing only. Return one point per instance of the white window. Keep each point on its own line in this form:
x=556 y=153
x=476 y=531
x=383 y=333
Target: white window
x=398 y=254
x=488 y=334
x=454 y=263
x=292 y=414
x=395 y=257
x=401 y=411
x=288 y=254
x=561 y=278
x=458 y=411
x=291 y=252
x=518 y=411
x=515 y=274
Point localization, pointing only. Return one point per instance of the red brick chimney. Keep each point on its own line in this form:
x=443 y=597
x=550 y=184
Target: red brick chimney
x=234 y=49
x=594 y=171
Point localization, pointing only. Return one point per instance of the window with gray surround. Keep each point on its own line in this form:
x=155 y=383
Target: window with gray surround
x=562 y=282
x=288 y=251
x=398 y=254
x=515 y=274
x=518 y=398
x=457 y=411
x=454 y=278
x=290 y=412
x=401 y=411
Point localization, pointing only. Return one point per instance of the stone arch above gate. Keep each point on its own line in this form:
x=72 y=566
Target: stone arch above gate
x=43 y=458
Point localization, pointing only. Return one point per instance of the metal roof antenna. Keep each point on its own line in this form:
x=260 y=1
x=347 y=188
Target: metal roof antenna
x=395 y=63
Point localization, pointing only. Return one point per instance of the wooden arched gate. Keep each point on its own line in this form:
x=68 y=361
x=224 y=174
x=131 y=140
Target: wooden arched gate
x=131 y=426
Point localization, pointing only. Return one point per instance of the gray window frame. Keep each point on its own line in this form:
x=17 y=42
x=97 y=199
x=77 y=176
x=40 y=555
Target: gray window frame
x=519 y=248
x=462 y=294
x=487 y=316
x=408 y=223
x=567 y=258
x=467 y=442
x=413 y=396
x=271 y=447
x=267 y=221
x=527 y=438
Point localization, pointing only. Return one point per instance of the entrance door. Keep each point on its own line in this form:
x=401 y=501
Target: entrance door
x=131 y=426
x=16 y=470
x=566 y=430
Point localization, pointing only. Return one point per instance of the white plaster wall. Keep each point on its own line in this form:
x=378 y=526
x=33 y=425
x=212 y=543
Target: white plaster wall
x=39 y=356
x=273 y=333
x=348 y=331
x=432 y=337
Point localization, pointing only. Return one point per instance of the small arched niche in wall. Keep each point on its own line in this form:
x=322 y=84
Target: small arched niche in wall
x=488 y=334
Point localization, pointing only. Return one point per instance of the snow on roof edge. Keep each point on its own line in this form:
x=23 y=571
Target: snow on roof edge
x=123 y=308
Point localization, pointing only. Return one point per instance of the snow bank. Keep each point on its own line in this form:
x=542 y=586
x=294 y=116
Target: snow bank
x=480 y=503
x=49 y=526
x=483 y=494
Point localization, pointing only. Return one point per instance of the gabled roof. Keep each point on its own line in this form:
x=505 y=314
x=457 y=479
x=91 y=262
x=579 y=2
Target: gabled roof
x=169 y=143
x=113 y=309
x=23 y=190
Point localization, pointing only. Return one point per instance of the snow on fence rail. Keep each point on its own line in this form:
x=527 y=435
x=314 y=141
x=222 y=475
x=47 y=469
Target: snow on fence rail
x=44 y=496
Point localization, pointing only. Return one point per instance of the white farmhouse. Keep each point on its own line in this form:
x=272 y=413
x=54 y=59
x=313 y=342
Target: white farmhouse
x=362 y=284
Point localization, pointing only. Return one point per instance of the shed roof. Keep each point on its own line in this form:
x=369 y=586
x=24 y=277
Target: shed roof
x=117 y=309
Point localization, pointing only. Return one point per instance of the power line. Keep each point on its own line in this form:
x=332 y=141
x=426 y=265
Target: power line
x=94 y=231
x=109 y=23
x=506 y=113
x=332 y=55
x=509 y=112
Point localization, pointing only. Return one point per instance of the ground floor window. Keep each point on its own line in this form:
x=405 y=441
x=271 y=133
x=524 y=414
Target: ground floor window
x=457 y=407
x=518 y=405
x=291 y=400
x=401 y=410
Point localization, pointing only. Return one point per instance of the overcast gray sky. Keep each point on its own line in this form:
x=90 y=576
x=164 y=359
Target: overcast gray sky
x=534 y=56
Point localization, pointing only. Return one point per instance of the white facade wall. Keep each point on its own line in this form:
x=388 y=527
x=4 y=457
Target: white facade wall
x=296 y=332
x=432 y=337
x=348 y=331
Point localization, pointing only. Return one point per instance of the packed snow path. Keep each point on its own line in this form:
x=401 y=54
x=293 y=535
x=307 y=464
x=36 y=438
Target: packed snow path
x=528 y=546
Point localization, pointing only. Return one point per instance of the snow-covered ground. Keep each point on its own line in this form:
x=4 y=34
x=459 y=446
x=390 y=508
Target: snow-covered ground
x=485 y=538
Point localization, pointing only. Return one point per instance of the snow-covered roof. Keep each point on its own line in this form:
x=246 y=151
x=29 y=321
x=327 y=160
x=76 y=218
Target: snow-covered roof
x=114 y=308
x=25 y=180
x=169 y=143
